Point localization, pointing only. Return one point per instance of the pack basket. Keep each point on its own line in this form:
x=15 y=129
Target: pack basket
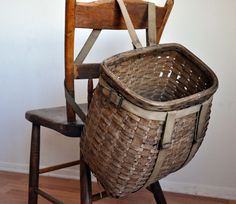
x=148 y=116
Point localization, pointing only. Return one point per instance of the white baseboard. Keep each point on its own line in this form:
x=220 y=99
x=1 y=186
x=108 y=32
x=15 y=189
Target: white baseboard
x=177 y=187
x=199 y=189
x=70 y=173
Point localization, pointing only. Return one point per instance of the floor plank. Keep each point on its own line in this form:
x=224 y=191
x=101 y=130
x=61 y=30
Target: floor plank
x=14 y=191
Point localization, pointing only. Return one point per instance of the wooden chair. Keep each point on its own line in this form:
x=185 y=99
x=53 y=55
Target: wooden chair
x=103 y=14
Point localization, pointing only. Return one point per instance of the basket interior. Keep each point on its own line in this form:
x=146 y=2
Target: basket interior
x=162 y=76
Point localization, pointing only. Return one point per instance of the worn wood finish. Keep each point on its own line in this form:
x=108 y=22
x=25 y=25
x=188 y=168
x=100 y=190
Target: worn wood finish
x=69 y=54
x=105 y=14
x=55 y=118
x=87 y=71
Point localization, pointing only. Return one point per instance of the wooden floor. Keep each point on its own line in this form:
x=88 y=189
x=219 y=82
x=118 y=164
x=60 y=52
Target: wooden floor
x=13 y=190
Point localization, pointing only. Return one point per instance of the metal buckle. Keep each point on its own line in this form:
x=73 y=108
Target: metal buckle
x=117 y=103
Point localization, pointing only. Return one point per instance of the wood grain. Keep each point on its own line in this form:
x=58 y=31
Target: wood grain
x=14 y=191
x=69 y=55
x=106 y=14
x=55 y=118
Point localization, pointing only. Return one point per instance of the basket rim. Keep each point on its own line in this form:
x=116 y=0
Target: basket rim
x=135 y=98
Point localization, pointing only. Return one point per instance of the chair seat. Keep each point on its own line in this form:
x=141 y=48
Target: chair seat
x=55 y=118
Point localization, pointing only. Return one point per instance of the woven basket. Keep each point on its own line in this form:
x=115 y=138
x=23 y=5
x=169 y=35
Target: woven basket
x=148 y=116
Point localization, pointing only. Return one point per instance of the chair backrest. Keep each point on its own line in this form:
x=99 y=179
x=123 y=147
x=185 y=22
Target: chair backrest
x=98 y=15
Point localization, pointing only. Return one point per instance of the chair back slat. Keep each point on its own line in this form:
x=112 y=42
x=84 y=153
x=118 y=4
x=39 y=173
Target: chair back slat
x=87 y=71
x=106 y=15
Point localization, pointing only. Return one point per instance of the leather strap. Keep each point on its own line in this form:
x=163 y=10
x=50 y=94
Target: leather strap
x=169 y=127
x=169 y=117
x=200 y=125
x=129 y=24
x=165 y=145
x=152 y=32
x=79 y=60
x=121 y=102
x=160 y=159
x=74 y=105
x=151 y=24
x=167 y=138
x=87 y=46
x=202 y=119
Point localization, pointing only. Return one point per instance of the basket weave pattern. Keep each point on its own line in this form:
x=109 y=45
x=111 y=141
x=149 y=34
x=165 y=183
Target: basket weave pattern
x=122 y=148
x=160 y=76
x=130 y=144
x=127 y=151
x=182 y=141
x=167 y=79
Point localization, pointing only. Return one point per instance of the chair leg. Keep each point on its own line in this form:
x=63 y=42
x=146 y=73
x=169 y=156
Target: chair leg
x=85 y=182
x=155 y=188
x=34 y=165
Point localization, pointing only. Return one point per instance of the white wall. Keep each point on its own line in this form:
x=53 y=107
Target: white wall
x=31 y=60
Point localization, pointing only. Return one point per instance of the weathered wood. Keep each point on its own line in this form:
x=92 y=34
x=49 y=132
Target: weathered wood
x=87 y=71
x=55 y=118
x=87 y=46
x=105 y=14
x=34 y=165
